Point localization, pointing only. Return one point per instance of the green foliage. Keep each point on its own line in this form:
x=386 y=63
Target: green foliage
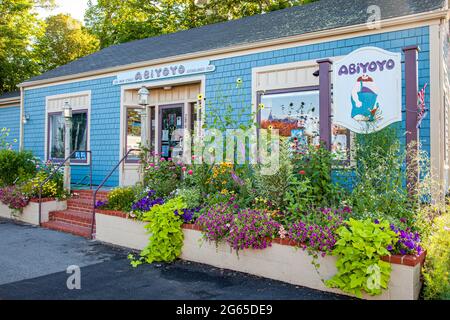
x=315 y=165
x=162 y=176
x=53 y=188
x=4 y=144
x=298 y=198
x=379 y=191
x=16 y=166
x=191 y=196
x=19 y=26
x=166 y=235
x=275 y=186
x=360 y=246
x=437 y=264
x=118 y=21
x=64 y=40
x=121 y=199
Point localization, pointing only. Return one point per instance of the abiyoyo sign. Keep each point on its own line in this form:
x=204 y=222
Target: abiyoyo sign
x=168 y=71
x=368 y=90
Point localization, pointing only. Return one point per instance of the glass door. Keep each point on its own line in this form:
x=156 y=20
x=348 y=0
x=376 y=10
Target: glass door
x=171 y=130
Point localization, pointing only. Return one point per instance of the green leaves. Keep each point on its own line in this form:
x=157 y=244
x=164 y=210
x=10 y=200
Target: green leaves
x=166 y=235
x=359 y=250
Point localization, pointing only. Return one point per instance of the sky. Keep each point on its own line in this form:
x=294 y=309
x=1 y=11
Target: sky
x=75 y=8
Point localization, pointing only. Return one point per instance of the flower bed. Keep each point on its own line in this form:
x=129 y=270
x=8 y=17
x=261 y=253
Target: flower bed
x=30 y=213
x=282 y=261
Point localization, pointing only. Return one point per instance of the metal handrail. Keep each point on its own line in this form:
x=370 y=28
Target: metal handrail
x=102 y=184
x=56 y=170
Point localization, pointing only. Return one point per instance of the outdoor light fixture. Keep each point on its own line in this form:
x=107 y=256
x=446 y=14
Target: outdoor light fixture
x=143 y=96
x=26 y=118
x=67 y=110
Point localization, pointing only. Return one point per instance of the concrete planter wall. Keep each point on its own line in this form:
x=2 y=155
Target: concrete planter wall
x=282 y=261
x=113 y=227
x=30 y=213
x=287 y=263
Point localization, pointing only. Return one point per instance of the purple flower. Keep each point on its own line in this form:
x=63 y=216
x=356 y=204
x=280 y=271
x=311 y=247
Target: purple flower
x=376 y=221
x=390 y=248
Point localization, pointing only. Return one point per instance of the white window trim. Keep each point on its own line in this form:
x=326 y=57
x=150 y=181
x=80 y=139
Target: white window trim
x=74 y=108
x=150 y=84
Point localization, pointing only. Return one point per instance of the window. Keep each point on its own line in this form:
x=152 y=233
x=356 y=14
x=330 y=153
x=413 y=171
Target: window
x=295 y=113
x=79 y=136
x=134 y=129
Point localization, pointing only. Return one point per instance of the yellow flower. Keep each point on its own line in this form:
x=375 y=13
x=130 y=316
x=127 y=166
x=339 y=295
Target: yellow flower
x=200 y=96
x=261 y=106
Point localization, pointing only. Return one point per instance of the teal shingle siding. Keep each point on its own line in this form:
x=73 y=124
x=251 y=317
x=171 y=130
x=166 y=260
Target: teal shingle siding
x=104 y=131
x=10 y=119
x=105 y=104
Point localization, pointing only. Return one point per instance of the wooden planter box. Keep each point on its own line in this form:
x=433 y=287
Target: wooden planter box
x=30 y=213
x=282 y=261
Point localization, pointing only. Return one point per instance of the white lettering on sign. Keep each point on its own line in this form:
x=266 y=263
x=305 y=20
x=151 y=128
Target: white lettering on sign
x=175 y=70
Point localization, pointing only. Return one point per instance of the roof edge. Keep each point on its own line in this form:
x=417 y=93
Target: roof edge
x=10 y=101
x=397 y=21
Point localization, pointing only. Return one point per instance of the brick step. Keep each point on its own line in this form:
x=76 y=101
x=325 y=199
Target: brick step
x=68 y=228
x=78 y=218
x=90 y=193
x=83 y=205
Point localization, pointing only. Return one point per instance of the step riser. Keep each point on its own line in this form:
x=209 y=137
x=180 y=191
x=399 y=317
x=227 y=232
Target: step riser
x=81 y=233
x=80 y=208
x=73 y=222
x=71 y=218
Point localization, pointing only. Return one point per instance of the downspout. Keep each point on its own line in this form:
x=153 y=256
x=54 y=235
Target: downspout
x=22 y=113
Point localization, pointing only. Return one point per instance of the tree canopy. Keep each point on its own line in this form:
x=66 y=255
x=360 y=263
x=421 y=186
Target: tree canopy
x=117 y=21
x=30 y=45
x=64 y=40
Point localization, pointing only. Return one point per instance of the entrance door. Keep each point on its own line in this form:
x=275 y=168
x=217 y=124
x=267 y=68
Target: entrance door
x=171 y=124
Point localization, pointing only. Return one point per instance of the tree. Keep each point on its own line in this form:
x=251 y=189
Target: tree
x=19 y=27
x=64 y=40
x=118 y=21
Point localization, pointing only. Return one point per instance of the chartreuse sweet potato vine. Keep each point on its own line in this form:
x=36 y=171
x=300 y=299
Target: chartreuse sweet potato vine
x=166 y=235
x=359 y=249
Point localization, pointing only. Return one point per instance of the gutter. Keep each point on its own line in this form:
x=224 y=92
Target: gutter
x=403 y=20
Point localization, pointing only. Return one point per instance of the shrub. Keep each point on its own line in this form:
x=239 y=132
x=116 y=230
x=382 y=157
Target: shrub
x=166 y=235
x=13 y=198
x=16 y=166
x=437 y=265
x=360 y=246
x=163 y=176
x=379 y=178
x=121 y=199
x=315 y=166
x=52 y=189
x=275 y=186
x=191 y=196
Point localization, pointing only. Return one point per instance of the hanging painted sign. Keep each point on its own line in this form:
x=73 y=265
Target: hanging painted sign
x=367 y=90
x=169 y=71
